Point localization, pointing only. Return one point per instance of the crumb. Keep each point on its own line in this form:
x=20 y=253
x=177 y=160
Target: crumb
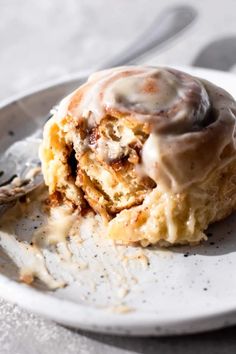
x=26 y=278
x=121 y=309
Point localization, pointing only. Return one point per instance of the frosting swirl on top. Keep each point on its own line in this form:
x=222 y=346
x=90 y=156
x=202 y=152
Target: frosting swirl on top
x=191 y=121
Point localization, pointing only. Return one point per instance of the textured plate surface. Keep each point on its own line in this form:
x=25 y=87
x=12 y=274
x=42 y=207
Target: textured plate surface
x=152 y=292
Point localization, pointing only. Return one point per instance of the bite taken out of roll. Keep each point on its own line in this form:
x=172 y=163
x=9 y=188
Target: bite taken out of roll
x=152 y=150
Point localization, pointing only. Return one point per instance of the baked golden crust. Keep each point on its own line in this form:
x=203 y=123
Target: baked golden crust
x=178 y=218
x=155 y=176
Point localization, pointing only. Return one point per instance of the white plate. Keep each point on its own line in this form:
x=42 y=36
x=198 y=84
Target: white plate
x=182 y=290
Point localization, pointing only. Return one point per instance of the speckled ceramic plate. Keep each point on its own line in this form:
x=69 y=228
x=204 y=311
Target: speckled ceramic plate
x=123 y=290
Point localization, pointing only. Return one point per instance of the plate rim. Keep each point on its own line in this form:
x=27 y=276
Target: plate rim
x=123 y=321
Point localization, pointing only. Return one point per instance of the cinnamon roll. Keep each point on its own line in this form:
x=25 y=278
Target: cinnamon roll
x=152 y=150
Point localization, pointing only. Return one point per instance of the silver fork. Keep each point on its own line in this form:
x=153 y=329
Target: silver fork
x=20 y=170
x=20 y=166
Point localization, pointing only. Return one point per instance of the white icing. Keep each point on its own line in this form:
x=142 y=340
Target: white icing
x=145 y=91
x=184 y=144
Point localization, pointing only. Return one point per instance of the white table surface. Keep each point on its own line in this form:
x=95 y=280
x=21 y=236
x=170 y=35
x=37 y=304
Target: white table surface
x=43 y=40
